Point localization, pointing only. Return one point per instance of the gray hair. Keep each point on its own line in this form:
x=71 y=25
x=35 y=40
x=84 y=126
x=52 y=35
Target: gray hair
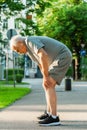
x=15 y=39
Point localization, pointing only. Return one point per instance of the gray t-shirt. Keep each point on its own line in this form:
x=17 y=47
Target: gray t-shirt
x=51 y=46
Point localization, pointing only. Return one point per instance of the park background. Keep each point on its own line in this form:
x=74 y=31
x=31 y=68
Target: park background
x=64 y=20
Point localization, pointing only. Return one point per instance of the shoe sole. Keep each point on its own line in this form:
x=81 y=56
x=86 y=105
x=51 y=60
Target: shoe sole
x=51 y=124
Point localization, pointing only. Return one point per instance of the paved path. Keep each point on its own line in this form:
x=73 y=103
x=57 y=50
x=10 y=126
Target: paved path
x=72 y=108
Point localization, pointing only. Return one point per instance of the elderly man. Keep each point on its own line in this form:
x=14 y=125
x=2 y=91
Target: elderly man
x=54 y=59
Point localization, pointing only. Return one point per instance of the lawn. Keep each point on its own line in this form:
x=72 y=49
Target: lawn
x=9 y=95
x=10 y=82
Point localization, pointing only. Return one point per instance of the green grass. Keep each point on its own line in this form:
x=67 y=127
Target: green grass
x=2 y=82
x=9 y=95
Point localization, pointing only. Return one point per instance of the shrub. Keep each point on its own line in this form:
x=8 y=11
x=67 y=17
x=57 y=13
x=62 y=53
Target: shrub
x=10 y=72
x=10 y=78
x=19 y=78
x=19 y=73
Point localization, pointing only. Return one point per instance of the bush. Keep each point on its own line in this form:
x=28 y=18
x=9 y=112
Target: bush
x=10 y=78
x=10 y=72
x=19 y=78
x=19 y=73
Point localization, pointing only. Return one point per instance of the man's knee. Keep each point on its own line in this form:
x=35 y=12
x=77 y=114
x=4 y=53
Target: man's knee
x=49 y=87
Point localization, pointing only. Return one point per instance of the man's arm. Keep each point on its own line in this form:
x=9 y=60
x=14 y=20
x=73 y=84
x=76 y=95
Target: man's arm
x=43 y=62
x=47 y=80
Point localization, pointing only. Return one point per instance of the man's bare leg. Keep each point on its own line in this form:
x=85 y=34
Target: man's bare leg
x=51 y=99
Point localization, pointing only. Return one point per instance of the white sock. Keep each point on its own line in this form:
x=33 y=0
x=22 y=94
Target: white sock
x=54 y=117
x=48 y=113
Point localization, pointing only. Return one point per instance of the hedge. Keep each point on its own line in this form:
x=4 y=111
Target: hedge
x=19 y=74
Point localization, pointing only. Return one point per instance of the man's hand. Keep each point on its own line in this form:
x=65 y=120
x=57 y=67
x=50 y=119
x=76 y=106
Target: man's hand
x=48 y=82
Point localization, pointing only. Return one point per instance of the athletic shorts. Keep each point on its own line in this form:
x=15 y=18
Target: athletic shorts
x=59 y=67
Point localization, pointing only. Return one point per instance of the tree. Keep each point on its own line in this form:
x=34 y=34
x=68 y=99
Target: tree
x=27 y=24
x=67 y=23
x=33 y=8
x=73 y=29
x=10 y=7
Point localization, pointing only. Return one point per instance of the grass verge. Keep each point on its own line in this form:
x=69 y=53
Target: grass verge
x=4 y=82
x=8 y=95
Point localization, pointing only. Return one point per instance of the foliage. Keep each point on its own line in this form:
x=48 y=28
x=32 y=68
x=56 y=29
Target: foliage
x=29 y=28
x=9 y=95
x=73 y=28
x=32 y=7
x=19 y=61
x=66 y=23
x=69 y=72
x=19 y=78
x=41 y=5
x=19 y=74
x=10 y=7
x=2 y=1
x=83 y=67
x=17 y=71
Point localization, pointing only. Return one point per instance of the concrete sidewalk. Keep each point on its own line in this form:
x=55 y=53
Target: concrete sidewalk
x=72 y=108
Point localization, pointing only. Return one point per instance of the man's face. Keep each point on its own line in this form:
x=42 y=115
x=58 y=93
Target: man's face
x=20 y=48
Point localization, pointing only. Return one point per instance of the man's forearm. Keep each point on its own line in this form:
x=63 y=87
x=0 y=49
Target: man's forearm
x=44 y=64
x=44 y=69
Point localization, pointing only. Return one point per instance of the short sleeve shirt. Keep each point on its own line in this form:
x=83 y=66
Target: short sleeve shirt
x=50 y=45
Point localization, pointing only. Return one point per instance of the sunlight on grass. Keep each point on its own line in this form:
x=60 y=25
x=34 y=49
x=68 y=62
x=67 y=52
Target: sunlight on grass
x=4 y=82
x=8 y=95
